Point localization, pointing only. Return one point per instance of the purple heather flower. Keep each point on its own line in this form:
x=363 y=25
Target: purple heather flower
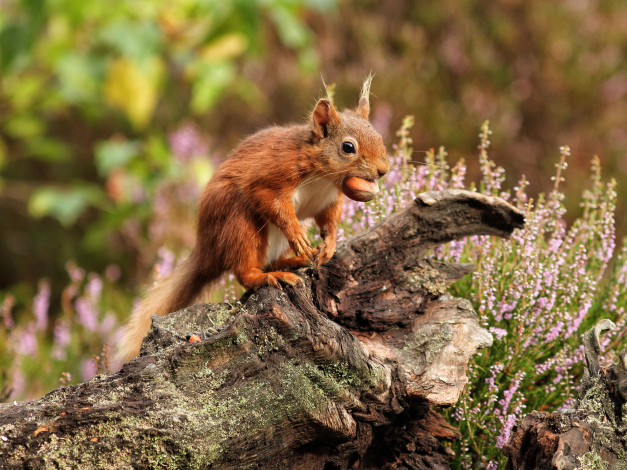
x=88 y=369
x=65 y=379
x=507 y=396
x=500 y=333
x=107 y=325
x=5 y=311
x=94 y=287
x=87 y=314
x=62 y=338
x=495 y=369
x=165 y=263
x=546 y=366
x=25 y=341
x=458 y=174
x=581 y=313
x=456 y=249
x=554 y=332
x=76 y=274
x=18 y=381
x=41 y=303
x=186 y=142
x=113 y=273
x=506 y=430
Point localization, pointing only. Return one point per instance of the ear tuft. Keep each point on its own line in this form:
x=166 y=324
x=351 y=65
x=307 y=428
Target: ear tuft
x=328 y=89
x=324 y=116
x=364 y=98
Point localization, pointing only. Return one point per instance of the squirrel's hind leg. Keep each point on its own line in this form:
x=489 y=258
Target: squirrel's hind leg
x=255 y=277
x=290 y=262
x=251 y=253
x=251 y=275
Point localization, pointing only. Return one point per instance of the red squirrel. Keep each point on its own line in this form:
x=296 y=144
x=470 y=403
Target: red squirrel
x=249 y=214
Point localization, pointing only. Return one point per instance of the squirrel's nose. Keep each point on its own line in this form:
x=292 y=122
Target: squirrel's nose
x=382 y=169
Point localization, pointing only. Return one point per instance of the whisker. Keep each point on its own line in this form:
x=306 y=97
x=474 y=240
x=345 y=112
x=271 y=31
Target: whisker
x=262 y=227
x=321 y=176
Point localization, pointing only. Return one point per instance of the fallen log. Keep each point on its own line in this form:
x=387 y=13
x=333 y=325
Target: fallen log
x=342 y=372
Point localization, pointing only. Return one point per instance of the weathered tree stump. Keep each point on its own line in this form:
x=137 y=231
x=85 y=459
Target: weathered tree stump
x=591 y=436
x=340 y=373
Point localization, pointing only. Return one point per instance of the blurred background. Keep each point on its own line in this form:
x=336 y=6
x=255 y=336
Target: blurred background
x=114 y=114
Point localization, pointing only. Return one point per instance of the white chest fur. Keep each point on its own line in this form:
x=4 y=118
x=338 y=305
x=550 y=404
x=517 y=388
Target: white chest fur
x=310 y=198
x=313 y=196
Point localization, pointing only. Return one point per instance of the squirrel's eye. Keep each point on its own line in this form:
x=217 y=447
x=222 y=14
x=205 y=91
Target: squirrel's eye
x=348 y=147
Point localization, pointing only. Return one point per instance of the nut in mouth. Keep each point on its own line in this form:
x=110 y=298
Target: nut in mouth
x=360 y=189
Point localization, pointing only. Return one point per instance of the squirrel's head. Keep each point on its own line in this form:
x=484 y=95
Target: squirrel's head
x=353 y=153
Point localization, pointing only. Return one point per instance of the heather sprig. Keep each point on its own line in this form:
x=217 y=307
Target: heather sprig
x=540 y=288
x=40 y=349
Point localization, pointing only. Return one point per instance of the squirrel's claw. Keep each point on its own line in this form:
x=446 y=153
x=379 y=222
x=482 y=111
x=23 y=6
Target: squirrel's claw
x=324 y=252
x=301 y=247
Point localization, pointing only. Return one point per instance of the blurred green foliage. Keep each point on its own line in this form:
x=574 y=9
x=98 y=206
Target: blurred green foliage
x=79 y=79
x=89 y=92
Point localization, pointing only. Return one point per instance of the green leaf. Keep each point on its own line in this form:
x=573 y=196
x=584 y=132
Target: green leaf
x=309 y=60
x=224 y=48
x=211 y=81
x=201 y=170
x=24 y=91
x=158 y=154
x=48 y=149
x=321 y=5
x=112 y=154
x=12 y=45
x=79 y=76
x=133 y=39
x=134 y=88
x=18 y=36
x=291 y=28
x=65 y=205
x=24 y=126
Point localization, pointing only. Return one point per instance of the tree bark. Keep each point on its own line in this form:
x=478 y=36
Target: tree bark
x=342 y=372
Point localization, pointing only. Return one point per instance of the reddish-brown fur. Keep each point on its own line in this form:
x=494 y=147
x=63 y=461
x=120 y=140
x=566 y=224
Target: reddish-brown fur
x=256 y=197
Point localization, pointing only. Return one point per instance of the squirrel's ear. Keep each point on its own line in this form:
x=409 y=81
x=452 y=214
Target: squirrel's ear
x=364 y=98
x=323 y=116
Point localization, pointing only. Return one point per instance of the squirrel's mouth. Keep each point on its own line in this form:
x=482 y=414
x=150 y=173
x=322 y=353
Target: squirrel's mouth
x=360 y=189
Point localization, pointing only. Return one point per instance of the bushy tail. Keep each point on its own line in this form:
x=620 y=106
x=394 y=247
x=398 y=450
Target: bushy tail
x=176 y=291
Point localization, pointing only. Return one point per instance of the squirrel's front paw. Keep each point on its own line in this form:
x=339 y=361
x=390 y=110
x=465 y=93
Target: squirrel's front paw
x=301 y=247
x=324 y=253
